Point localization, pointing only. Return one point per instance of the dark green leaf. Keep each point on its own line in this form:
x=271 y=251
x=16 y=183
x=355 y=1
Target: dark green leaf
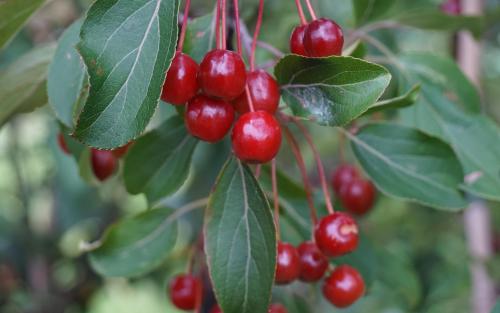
x=409 y=164
x=240 y=241
x=158 y=163
x=13 y=15
x=368 y=10
x=23 y=84
x=127 y=47
x=405 y=100
x=136 y=245
x=200 y=37
x=67 y=75
x=330 y=91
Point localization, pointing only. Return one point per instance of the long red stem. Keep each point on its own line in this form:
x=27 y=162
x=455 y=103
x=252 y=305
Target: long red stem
x=321 y=170
x=302 y=16
x=249 y=99
x=256 y=34
x=275 y=198
x=184 y=26
x=218 y=43
x=224 y=25
x=311 y=9
x=302 y=167
x=237 y=26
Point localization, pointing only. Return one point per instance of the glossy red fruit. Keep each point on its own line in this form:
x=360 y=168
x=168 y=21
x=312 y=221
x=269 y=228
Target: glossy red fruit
x=344 y=286
x=451 y=7
x=336 y=234
x=256 y=137
x=222 y=74
x=288 y=264
x=297 y=40
x=186 y=292
x=265 y=93
x=215 y=309
x=181 y=83
x=358 y=196
x=323 y=38
x=209 y=119
x=313 y=263
x=121 y=151
x=277 y=308
x=342 y=176
x=104 y=163
x=62 y=143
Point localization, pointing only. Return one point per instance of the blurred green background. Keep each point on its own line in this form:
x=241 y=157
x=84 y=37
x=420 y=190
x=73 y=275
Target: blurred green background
x=47 y=209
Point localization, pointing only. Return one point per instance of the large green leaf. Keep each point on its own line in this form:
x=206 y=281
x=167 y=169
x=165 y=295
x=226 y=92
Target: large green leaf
x=23 y=83
x=127 y=47
x=405 y=100
x=158 y=163
x=240 y=241
x=136 y=245
x=409 y=164
x=13 y=15
x=330 y=91
x=67 y=75
x=200 y=37
x=367 y=10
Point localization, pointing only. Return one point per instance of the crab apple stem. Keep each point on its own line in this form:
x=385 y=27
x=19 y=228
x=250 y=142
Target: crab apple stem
x=182 y=37
x=275 y=198
x=311 y=9
x=302 y=16
x=217 y=25
x=258 y=169
x=256 y=34
x=237 y=26
x=303 y=172
x=321 y=170
x=249 y=99
x=224 y=24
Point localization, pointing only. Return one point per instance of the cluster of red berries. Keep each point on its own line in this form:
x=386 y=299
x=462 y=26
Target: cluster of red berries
x=214 y=90
x=186 y=293
x=356 y=194
x=104 y=162
x=320 y=38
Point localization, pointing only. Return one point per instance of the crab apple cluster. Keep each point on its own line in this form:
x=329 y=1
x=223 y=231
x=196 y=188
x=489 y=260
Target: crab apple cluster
x=356 y=194
x=218 y=87
x=320 y=38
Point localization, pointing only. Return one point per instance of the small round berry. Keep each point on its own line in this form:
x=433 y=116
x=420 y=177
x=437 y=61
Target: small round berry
x=181 y=83
x=323 y=38
x=256 y=137
x=209 y=119
x=265 y=93
x=344 y=286
x=216 y=309
x=451 y=7
x=358 y=196
x=288 y=264
x=222 y=74
x=62 y=143
x=313 y=263
x=336 y=234
x=297 y=40
x=342 y=176
x=121 y=151
x=277 y=308
x=104 y=163
x=186 y=292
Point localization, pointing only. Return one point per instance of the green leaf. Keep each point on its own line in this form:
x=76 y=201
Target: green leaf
x=444 y=72
x=136 y=245
x=240 y=241
x=127 y=47
x=13 y=15
x=23 y=83
x=67 y=74
x=402 y=101
x=330 y=91
x=406 y=163
x=368 y=10
x=158 y=172
x=200 y=37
